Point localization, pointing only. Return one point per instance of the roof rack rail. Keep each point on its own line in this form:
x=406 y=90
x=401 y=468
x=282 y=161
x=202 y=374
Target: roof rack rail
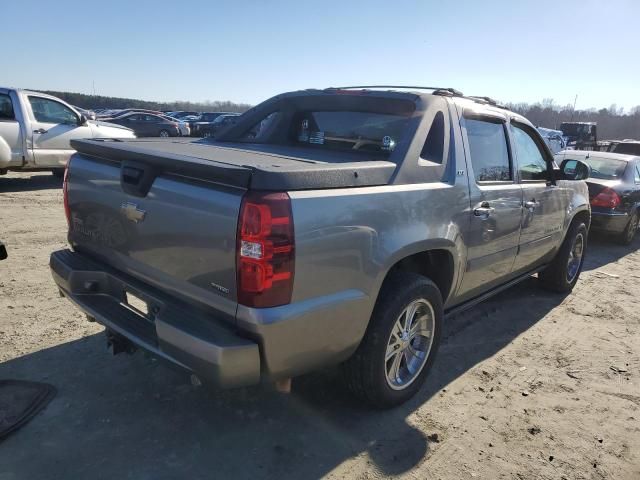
x=448 y=90
x=487 y=100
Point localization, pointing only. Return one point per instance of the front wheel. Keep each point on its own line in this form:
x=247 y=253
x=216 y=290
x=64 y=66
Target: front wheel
x=164 y=133
x=562 y=274
x=399 y=346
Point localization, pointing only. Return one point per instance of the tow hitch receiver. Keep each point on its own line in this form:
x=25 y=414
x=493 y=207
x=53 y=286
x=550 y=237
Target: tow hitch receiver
x=118 y=343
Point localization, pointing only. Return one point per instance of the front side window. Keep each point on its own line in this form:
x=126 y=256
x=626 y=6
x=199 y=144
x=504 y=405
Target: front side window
x=6 y=108
x=49 y=111
x=637 y=174
x=488 y=151
x=532 y=164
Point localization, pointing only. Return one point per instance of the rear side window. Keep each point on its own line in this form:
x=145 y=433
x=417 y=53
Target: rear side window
x=433 y=149
x=6 y=108
x=605 y=168
x=531 y=161
x=345 y=130
x=488 y=151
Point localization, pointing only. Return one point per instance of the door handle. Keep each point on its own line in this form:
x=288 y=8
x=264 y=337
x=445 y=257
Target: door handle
x=40 y=131
x=484 y=210
x=531 y=205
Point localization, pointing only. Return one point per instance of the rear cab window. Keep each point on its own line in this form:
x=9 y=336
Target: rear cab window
x=370 y=127
x=348 y=130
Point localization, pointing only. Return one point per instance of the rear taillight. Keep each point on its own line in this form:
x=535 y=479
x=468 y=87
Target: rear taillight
x=65 y=195
x=265 y=250
x=607 y=198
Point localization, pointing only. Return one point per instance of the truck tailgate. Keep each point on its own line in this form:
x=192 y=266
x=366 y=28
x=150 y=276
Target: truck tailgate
x=175 y=233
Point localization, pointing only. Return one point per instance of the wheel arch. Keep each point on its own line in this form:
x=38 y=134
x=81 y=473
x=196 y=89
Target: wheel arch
x=437 y=261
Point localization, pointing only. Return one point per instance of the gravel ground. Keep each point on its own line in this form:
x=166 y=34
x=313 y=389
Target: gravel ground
x=527 y=385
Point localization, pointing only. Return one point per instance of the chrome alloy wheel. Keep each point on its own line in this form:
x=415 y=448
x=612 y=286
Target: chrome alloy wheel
x=575 y=257
x=409 y=344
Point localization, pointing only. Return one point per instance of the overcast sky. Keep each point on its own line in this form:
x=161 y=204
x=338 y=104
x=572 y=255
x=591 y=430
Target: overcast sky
x=247 y=51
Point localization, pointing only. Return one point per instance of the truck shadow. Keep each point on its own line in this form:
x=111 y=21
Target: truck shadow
x=603 y=249
x=29 y=182
x=130 y=416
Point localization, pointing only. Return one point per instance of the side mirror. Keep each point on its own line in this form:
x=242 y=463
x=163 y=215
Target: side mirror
x=82 y=120
x=3 y=251
x=575 y=170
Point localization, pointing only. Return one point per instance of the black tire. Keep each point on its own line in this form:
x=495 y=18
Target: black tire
x=365 y=372
x=558 y=277
x=164 y=133
x=629 y=233
x=58 y=172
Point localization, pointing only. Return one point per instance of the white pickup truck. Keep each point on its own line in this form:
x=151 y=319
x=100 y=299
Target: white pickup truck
x=36 y=131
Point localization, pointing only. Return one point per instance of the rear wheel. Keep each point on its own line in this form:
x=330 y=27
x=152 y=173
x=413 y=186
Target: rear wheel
x=164 y=133
x=563 y=272
x=58 y=172
x=399 y=347
x=627 y=236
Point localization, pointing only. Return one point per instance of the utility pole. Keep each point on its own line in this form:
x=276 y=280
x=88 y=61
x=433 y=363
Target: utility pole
x=94 y=88
x=575 y=100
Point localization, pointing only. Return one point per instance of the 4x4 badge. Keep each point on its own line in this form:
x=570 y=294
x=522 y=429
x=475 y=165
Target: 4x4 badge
x=132 y=212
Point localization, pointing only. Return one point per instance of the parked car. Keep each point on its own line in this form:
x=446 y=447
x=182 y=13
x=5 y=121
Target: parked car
x=221 y=122
x=628 y=147
x=553 y=138
x=148 y=125
x=127 y=111
x=181 y=114
x=204 y=121
x=36 y=131
x=325 y=227
x=90 y=114
x=183 y=127
x=580 y=135
x=614 y=191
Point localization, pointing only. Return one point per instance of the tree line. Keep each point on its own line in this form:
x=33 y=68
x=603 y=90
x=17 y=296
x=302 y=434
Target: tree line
x=613 y=122
x=91 y=102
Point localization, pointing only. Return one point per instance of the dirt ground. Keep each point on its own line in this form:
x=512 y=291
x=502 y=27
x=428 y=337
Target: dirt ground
x=528 y=385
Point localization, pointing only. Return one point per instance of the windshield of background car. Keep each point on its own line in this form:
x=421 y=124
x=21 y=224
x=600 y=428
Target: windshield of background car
x=576 y=130
x=606 y=168
x=346 y=130
x=628 y=148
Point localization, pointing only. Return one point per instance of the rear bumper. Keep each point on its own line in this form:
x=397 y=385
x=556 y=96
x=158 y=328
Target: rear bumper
x=609 y=221
x=173 y=331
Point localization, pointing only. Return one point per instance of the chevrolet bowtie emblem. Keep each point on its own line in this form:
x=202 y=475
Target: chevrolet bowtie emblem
x=132 y=212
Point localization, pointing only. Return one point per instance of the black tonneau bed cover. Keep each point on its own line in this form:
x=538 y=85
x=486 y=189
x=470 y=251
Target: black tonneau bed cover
x=250 y=166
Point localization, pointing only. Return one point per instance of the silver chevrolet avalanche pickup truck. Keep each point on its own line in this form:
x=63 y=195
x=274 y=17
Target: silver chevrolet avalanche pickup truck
x=338 y=226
